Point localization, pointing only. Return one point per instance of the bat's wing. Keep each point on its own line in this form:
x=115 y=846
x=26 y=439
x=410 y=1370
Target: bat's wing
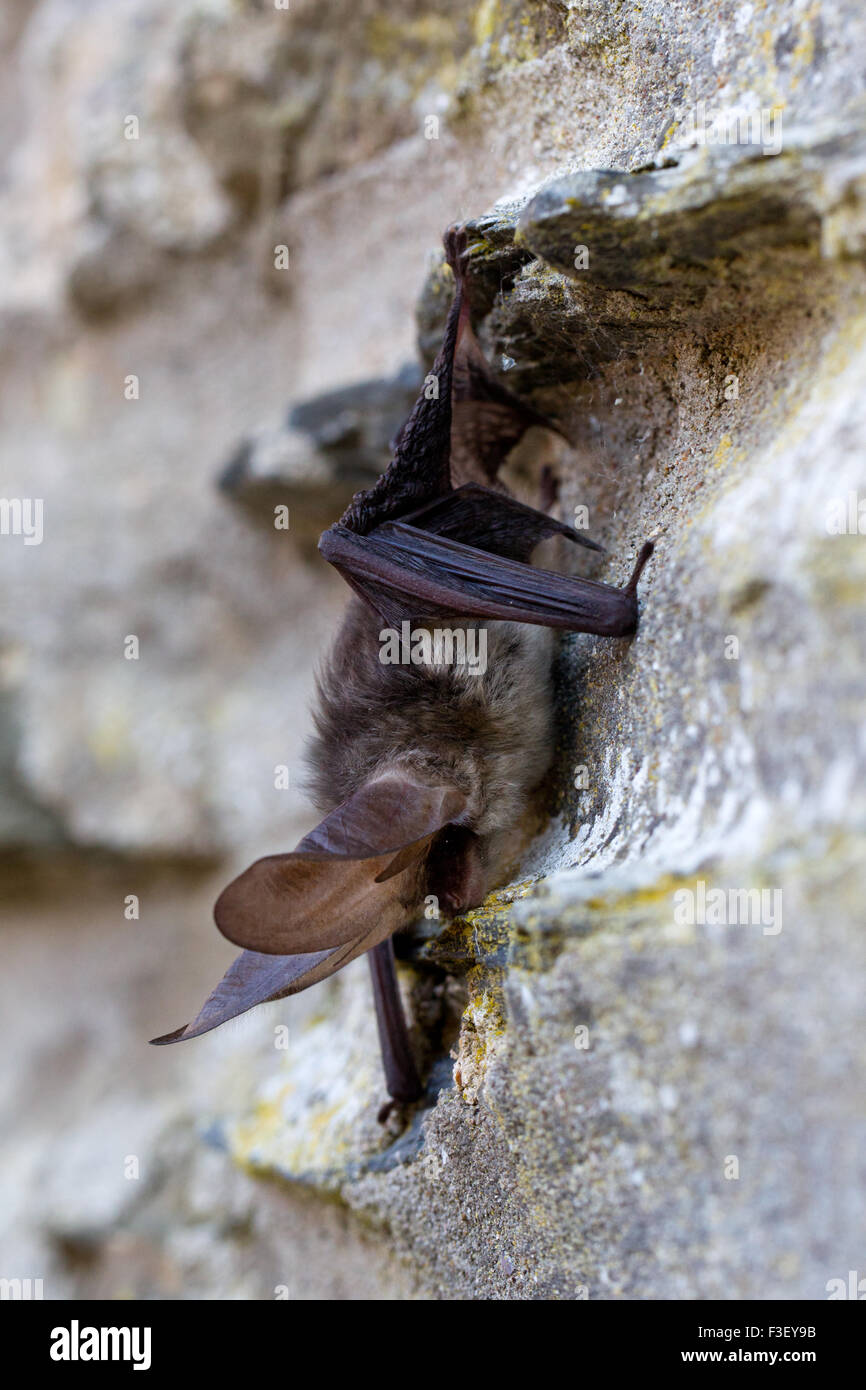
x=404 y=571
x=416 y=546
x=494 y=521
x=487 y=420
x=420 y=468
x=462 y=426
x=350 y=884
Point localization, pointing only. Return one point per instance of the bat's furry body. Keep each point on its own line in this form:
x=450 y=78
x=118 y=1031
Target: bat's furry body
x=418 y=768
x=489 y=734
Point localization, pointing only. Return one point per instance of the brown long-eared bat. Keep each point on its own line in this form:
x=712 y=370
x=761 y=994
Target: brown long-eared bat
x=418 y=765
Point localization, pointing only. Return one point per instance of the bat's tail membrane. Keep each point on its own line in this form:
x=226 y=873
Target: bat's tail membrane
x=420 y=468
x=488 y=420
x=463 y=425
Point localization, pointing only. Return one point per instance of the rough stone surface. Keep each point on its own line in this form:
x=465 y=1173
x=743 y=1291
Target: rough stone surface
x=623 y=1102
x=327 y=449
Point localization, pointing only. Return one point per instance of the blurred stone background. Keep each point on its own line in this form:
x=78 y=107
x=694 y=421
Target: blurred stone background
x=709 y=367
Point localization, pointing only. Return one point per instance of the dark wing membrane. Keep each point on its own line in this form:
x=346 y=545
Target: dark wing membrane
x=405 y=572
x=492 y=521
x=420 y=468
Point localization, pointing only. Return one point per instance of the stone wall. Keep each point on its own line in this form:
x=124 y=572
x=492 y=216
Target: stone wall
x=624 y=1101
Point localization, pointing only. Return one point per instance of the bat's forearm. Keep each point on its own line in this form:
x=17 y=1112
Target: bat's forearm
x=401 y=1073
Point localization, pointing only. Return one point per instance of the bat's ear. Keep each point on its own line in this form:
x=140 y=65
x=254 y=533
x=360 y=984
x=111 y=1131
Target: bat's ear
x=256 y=979
x=354 y=875
x=350 y=883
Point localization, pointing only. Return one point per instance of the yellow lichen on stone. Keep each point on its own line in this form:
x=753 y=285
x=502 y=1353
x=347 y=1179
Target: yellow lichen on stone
x=484 y=23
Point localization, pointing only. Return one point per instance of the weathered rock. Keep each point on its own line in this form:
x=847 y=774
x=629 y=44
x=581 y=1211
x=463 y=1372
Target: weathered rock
x=622 y=1102
x=329 y=448
x=23 y=822
x=640 y=1143
x=674 y=238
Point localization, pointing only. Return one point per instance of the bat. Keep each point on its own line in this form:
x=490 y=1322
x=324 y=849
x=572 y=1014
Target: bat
x=418 y=766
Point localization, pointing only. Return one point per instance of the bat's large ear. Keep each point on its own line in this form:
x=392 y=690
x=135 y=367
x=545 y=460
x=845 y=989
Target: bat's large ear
x=256 y=979
x=351 y=877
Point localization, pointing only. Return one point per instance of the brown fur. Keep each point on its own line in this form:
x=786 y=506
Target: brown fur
x=489 y=734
